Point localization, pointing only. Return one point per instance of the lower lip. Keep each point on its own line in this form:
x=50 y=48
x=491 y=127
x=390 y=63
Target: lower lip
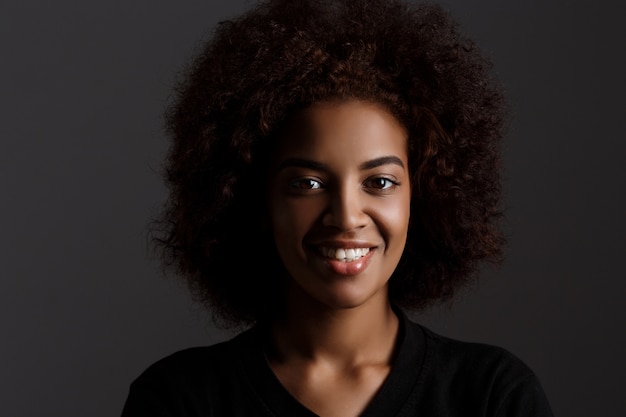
x=349 y=268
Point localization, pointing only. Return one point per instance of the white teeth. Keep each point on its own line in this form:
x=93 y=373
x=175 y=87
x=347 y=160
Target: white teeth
x=345 y=255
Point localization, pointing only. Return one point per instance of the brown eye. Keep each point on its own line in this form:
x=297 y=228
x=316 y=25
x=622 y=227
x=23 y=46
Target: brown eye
x=381 y=183
x=306 y=184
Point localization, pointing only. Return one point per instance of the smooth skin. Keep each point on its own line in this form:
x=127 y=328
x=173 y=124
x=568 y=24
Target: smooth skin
x=339 y=187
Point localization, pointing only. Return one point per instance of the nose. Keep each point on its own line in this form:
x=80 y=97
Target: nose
x=345 y=209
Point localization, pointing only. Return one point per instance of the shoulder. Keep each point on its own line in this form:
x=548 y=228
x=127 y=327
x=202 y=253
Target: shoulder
x=477 y=359
x=198 y=378
x=477 y=376
x=203 y=364
x=193 y=360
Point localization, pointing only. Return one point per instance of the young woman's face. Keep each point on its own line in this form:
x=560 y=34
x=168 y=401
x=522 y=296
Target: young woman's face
x=339 y=201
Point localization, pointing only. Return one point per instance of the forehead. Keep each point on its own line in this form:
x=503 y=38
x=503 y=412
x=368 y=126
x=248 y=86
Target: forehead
x=338 y=130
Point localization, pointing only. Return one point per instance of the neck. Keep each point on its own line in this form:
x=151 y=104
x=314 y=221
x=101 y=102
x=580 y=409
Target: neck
x=312 y=331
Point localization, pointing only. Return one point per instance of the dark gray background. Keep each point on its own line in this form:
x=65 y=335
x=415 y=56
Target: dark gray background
x=83 y=307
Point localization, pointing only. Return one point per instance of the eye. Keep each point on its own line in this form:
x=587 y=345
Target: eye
x=380 y=183
x=306 y=184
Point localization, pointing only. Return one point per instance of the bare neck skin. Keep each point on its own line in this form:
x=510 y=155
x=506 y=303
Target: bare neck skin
x=333 y=360
x=315 y=332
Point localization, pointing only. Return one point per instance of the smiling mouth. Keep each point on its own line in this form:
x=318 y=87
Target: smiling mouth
x=344 y=255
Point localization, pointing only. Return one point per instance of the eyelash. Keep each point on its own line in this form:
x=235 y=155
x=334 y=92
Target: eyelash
x=300 y=183
x=306 y=184
x=390 y=184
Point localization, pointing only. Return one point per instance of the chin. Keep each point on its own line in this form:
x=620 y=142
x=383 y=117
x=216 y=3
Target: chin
x=348 y=296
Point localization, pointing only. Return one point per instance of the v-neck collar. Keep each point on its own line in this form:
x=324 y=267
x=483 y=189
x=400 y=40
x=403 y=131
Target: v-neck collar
x=393 y=393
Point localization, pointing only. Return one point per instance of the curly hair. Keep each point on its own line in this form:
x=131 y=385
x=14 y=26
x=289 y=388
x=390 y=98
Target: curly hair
x=284 y=55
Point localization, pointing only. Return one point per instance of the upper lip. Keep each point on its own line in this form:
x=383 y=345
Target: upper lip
x=344 y=244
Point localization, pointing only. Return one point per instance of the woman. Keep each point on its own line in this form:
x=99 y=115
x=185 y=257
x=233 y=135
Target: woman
x=334 y=164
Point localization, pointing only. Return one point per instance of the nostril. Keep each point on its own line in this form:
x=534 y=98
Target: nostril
x=345 y=214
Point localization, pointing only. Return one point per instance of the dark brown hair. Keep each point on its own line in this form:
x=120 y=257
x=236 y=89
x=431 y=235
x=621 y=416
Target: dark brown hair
x=282 y=56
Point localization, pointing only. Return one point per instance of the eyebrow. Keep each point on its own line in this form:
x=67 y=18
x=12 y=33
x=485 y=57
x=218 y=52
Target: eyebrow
x=318 y=166
x=383 y=160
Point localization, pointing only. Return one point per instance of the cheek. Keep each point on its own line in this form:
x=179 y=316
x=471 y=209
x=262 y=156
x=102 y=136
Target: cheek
x=393 y=220
x=292 y=220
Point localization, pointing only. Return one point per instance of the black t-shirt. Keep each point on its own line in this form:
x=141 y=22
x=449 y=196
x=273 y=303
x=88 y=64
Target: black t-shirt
x=430 y=376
